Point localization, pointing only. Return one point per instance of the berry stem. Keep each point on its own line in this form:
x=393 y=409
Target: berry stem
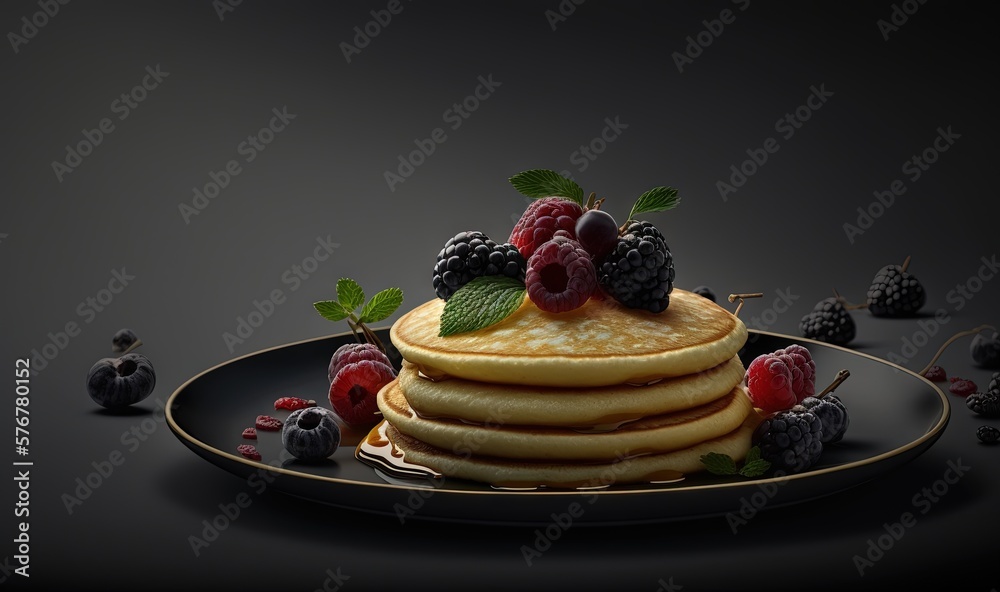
x=905 y=264
x=370 y=336
x=591 y=203
x=837 y=381
x=847 y=305
x=134 y=345
x=733 y=297
x=951 y=340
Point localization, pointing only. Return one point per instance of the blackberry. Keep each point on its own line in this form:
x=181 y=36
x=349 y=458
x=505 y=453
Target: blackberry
x=988 y=434
x=895 y=293
x=832 y=412
x=705 y=291
x=792 y=440
x=829 y=322
x=994 y=386
x=986 y=404
x=985 y=351
x=471 y=254
x=639 y=271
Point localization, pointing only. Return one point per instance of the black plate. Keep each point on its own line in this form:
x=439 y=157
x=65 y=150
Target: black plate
x=895 y=416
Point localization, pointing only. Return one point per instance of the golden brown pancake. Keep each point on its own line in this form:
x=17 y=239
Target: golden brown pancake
x=525 y=473
x=571 y=407
x=500 y=438
x=601 y=343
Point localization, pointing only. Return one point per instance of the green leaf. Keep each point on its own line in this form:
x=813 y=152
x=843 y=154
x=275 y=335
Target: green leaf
x=381 y=305
x=753 y=454
x=350 y=294
x=331 y=310
x=484 y=301
x=719 y=464
x=538 y=183
x=755 y=468
x=657 y=199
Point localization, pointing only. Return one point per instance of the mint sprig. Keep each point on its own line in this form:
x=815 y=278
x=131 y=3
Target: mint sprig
x=657 y=199
x=484 y=301
x=723 y=464
x=537 y=183
x=350 y=296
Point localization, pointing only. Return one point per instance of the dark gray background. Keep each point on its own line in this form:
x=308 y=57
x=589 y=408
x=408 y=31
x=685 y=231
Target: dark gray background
x=322 y=177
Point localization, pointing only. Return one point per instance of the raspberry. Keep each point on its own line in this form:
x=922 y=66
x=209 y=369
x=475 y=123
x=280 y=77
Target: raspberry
x=895 y=293
x=800 y=362
x=472 y=254
x=560 y=275
x=250 y=434
x=353 y=390
x=963 y=387
x=355 y=352
x=936 y=374
x=792 y=440
x=540 y=222
x=639 y=271
x=828 y=322
x=769 y=383
x=249 y=451
x=267 y=423
x=988 y=434
x=986 y=404
x=293 y=403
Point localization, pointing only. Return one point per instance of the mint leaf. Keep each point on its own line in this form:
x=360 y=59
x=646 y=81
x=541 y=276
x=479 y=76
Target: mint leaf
x=331 y=310
x=538 y=183
x=381 y=305
x=657 y=199
x=753 y=454
x=350 y=294
x=755 y=468
x=484 y=301
x=719 y=464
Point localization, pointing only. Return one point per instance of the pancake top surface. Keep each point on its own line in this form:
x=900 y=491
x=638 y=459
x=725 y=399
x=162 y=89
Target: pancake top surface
x=600 y=343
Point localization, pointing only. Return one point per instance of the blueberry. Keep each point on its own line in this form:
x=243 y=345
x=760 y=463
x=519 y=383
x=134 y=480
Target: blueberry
x=986 y=351
x=832 y=413
x=119 y=382
x=311 y=434
x=705 y=291
x=122 y=340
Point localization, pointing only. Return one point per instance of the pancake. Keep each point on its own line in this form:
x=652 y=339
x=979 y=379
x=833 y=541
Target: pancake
x=480 y=402
x=649 y=435
x=601 y=343
x=525 y=473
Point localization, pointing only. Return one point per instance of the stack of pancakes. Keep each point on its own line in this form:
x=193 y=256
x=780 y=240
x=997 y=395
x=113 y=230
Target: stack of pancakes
x=565 y=400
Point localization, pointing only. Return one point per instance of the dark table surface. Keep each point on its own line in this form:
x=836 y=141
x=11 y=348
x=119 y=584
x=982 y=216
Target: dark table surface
x=172 y=167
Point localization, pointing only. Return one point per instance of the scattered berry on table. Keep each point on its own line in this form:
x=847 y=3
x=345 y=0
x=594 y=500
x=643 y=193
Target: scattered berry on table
x=353 y=391
x=936 y=374
x=962 y=387
x=116 y=383
x=639 y=271
x=472 y=254
x=895 y=293
x=986 y=404
x=988 y=434
x=249 y=451
x=560 y=276
x=994 y=386
x=123 y=339
x=250 y=434
x=293 y=403
x=829 y=322
x=311 y=434
x=267 y=423
x=540 y=222
x=985 y=350
x=791 y=440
